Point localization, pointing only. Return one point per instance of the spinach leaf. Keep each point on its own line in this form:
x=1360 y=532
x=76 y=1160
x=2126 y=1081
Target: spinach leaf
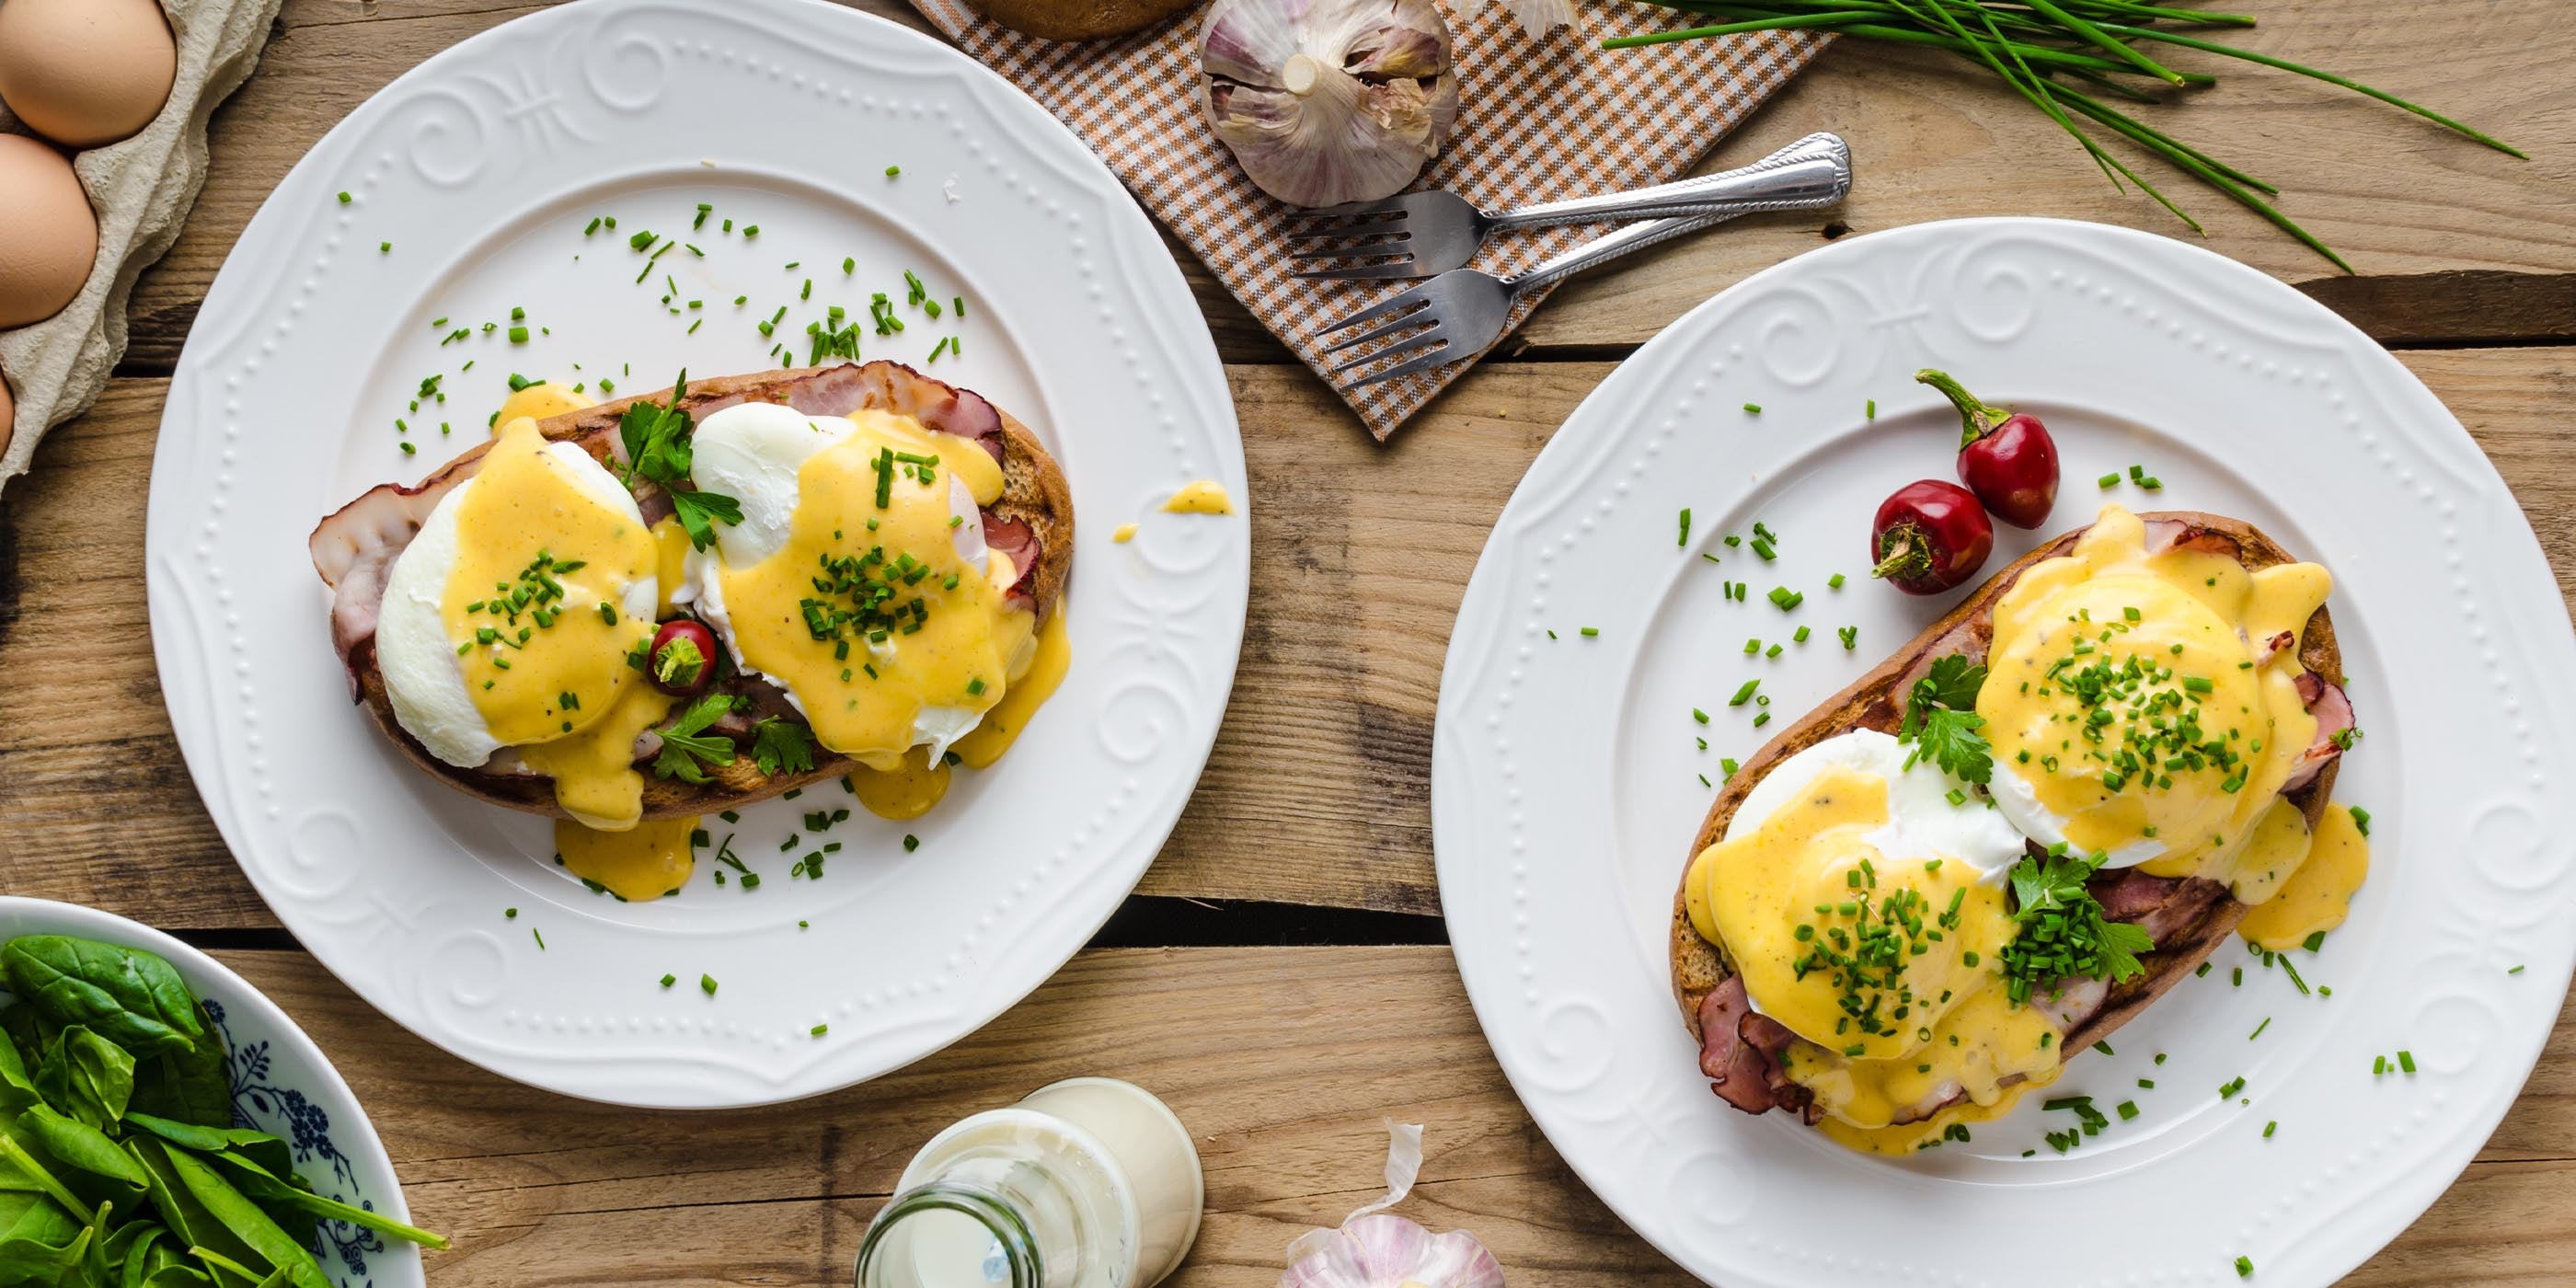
x=191 y=1225
x=29 y=1033
x=245 y=1222
x=17 y=1090
x=273 y=1192
x=36 y=1261
x=129 y=997
x=270 y=1153
x=187 y=1086
x=95 y=1168
x=86 y=1076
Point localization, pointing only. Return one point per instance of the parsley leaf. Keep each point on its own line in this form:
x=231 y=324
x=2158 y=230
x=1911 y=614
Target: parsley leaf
x=656 y=439
x=685 y=743
x=1942 y=723
x=782 y=746
x=2060 y=930
x=697 y=510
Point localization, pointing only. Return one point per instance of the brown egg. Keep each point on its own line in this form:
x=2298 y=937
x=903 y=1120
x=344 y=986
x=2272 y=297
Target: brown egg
x=48 y=237
x=8 y=413
x=85 y=72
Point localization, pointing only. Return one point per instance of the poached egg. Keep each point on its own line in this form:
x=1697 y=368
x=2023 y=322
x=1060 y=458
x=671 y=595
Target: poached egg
x=508 y=621
x=1864 y=903
x=859 y=582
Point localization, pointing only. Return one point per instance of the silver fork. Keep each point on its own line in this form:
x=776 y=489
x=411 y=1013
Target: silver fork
x=1465 y=309
x=1420 y=234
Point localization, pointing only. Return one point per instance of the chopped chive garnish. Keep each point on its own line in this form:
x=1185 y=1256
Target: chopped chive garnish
x=2269 y=1127
x=1752 y=409
x=2110 y=480
x=1590 y=632
x=2406 y=1061
x=707 y=985
x=2258 y=1029
x=1684 y=539
x=1744 y=694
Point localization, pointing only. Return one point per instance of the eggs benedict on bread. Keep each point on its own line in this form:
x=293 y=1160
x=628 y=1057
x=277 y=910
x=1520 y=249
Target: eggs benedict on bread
x=632 y=614
x=1904 y=911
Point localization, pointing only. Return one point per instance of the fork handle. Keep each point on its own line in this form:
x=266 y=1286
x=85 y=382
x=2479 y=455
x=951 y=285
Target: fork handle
x=1601 y=250
x=1814 y=171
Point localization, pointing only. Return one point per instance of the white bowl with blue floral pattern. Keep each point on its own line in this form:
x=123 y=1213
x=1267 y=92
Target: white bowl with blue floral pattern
x=282 y=1085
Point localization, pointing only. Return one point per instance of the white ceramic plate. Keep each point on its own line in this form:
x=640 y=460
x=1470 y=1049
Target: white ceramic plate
x=1567 y=784
x=281 y=1085
x=482 y=168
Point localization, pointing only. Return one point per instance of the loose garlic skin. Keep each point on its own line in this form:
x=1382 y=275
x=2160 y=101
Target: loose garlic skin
x=1329 y=101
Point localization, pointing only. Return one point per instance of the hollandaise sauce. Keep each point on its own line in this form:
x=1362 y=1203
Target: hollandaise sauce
x=1205 y=496
x=646 y=861
x=536 y=601
x=2146 y=706
x=1886 y=969
x=868 y=615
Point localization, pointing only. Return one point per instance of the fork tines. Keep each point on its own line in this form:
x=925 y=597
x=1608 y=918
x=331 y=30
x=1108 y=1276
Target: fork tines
x=1404 y=312
x=1372 y=234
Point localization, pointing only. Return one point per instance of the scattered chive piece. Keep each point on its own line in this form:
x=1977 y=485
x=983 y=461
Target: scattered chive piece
x=669 y=980
x=2128 y=1109
x=2269 y=1127
x=2258 y=1029
x=2147 y=1084
x=2110 y=480
x=1590 y=632
x=510 y=913
x=1684 y=539
x=1834 y=582
x=1752 y=646
x=2231 y=1087
x=2103 y=1047
x=910 y=843
x=2160 y=1057
x=1800 y=637
x=1699 y=715
x=1773 y=651
x=2244 y=1267
x=2406 y=1061
x=2361 y=819
x=518 y=335
x=2314 y=941
x=820 y=1029
x=707 y=985
x=2515 y=971
x=1873 y=409
x=2204 y=970
x=2238 y=972
x=541 y=938
x=893 y=170
x=344 y=199
x=1745 y=694
x=1849 y=634
x=1752 y=409
x=1762 y=719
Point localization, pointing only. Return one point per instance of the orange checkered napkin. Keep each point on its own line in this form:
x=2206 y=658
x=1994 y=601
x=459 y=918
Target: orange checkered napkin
x=1538 y=120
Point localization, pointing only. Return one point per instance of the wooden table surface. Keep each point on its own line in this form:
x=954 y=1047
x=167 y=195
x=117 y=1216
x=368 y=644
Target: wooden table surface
x=1293 y=917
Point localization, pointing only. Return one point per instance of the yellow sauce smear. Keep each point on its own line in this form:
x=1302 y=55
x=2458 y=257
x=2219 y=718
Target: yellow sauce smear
x=1206 y=496
x=647 y=861
x=2318 y=894
x=1126 y=532
x=899 y=794
x=540 y=400
x=1029 y=690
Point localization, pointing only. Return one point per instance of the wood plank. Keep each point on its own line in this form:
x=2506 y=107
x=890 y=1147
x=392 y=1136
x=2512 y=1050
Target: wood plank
x=1318 y=791
x=2458 y=244
x=1289 y=1061
x=1933 y=139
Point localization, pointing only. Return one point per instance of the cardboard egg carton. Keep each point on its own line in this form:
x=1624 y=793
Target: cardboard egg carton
x=141 y=189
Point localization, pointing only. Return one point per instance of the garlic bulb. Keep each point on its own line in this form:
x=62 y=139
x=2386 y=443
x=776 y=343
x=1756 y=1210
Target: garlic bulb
x=1327 y=101
x=1539 y=17
x=1373 y=1250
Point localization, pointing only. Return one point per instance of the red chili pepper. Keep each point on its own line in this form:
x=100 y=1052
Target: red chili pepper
x=2005 y=457
x=683 y=659
x=1929 y=536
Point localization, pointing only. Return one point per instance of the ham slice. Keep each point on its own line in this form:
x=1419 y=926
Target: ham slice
x=2333 y=709
x=1740 y=1053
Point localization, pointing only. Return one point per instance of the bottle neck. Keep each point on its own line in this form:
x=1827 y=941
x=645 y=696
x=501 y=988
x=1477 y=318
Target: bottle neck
x=947 y=1234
